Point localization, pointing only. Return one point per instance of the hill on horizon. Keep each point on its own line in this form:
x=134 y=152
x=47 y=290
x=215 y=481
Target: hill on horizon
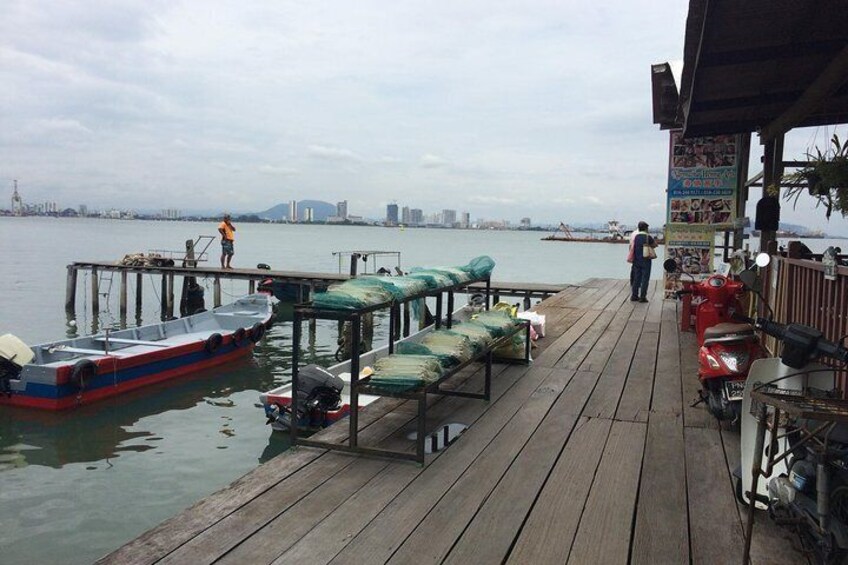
x=320 y=210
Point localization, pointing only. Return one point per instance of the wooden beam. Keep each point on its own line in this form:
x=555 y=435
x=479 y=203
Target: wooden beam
x=71 y=289
x=827 y=83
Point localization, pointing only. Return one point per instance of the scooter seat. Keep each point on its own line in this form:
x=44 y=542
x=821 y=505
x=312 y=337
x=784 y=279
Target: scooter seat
x=727 y=329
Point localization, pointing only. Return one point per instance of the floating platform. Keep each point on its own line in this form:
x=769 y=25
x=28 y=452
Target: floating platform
x=598 y=435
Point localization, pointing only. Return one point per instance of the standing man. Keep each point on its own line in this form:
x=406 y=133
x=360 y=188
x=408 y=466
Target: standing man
x=228 y=236
x=642 y=252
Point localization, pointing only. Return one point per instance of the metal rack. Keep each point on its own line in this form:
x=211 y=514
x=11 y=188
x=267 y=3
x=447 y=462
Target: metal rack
x=360 y=385
x=771 y=404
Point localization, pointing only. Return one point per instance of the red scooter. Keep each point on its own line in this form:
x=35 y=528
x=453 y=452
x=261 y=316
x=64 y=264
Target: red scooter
x=727 y=348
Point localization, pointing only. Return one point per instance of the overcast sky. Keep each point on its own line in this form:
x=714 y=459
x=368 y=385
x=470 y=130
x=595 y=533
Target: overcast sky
x=504 y=109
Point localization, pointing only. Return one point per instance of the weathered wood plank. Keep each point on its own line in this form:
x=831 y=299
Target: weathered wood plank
x=600 y=354
x=383 y=535
x=711 y=500
x=572 y=358
x=662 y=523
x=605 y=527
x=550 y=356
x=604 y=400
x=432 y=538
x=668 y=395
x=693 y=416
x=549 y=530
x=490 y=534
x=636 y=399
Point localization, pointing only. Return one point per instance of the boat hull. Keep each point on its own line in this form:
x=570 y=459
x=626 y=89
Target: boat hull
x=118 y=376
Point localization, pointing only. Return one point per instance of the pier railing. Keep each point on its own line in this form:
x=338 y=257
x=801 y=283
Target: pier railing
x=803 y=295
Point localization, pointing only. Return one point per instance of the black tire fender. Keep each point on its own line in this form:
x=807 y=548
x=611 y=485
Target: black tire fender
x=257 y=332
x=239 y=337
x=213 y=343
x=84 y=371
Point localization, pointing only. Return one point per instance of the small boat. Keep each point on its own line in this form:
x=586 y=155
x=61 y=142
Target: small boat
x=277 y=402
x=616 y=233
x=64 y=374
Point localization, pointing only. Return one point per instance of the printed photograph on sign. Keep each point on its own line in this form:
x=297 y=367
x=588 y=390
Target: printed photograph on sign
x=692 y=250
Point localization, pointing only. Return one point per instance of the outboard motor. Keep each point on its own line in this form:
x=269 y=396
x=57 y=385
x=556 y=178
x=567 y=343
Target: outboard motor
x=319 y=392
x=14 y=354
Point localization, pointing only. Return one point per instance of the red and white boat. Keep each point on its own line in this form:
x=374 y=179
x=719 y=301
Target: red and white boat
x=67 y=373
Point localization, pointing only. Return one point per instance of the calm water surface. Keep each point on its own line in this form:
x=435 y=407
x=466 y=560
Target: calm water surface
x=76 y=485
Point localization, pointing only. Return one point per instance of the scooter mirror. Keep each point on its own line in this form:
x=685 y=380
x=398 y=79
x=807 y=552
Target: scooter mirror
x=763 y=259
x=670 y=266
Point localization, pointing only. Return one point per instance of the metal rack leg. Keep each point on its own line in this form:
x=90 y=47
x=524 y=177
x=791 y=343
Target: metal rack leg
x=487 y=387
x=295 y=378
x=439 y=310
x=422 y=426
x=355 y=327
x=527 y=343
x=450 y=309
x=755 y=479
x=488 y=292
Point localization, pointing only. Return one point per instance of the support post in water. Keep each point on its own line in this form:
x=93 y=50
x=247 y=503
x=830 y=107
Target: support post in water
x=123 y=306
x=95 y=292
x=217 y=291
x=138 y=288
x=163 y=297
x=170 y=295
x=71 y=290
x=251 y=286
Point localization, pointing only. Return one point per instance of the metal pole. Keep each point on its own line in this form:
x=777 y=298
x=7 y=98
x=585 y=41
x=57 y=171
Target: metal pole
x=406 y=319
x=355 y=324
x=439 y=310
x=755 y=479
x=71 y=290
x=450 y=309
x=138 y=291
x=392 y=320
x=123 y=306
x=295 y=379
x=422 y=426
x=163 y=297
x=488 y=291
x=95 y=295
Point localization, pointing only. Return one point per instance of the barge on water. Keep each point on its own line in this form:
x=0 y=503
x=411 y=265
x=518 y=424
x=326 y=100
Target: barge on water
x=64 y=374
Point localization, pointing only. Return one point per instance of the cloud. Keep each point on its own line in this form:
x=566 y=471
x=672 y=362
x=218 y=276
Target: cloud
x=277 y=170
x=593 y=200
x=332 y=153
x=481 y=199
x=430 y=161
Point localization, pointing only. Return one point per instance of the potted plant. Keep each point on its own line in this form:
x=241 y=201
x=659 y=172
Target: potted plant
x=825 y=177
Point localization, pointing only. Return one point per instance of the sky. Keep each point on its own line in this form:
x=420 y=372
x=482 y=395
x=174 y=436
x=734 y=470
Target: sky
x=502 y=109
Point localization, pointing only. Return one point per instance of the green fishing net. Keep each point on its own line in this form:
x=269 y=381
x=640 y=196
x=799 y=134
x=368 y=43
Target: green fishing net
x=399 y=373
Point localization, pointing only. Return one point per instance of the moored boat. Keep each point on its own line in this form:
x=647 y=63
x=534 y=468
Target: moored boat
x=64 y=374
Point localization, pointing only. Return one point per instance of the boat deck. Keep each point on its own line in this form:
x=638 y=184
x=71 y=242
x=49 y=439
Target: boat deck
x=591 y=455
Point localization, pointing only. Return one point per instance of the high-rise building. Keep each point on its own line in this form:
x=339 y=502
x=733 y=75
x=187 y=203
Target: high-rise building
x=405 y=216
x=448 y=218
x=392 y=214
x=416 y=216
x=83 y=210
x=341 y=209
x=465 y=223
x=308 y=214
x=525 y=223
x=293 y=211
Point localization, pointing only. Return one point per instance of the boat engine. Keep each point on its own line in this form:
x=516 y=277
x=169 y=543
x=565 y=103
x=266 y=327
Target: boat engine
x=319 y=392
x=14 y=354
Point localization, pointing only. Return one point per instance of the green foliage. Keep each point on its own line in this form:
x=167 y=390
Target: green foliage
x=825 y=178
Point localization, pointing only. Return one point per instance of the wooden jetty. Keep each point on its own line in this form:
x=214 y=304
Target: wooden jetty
x=593 y=454
x=307 y=282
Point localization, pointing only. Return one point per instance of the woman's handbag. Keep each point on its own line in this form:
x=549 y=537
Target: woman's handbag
x=648 y=251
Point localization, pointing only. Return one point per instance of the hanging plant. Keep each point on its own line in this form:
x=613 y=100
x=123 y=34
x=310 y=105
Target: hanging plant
x=825 y=178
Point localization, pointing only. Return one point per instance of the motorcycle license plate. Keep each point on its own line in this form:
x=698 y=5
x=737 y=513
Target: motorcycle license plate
x=734 y=389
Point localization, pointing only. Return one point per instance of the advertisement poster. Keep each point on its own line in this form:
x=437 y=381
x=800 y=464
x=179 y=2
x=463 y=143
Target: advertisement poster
x=702 y=180
x=692 y=249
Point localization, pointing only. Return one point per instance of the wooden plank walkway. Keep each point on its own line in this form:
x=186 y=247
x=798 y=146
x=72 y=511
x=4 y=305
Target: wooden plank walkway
x=591 y=455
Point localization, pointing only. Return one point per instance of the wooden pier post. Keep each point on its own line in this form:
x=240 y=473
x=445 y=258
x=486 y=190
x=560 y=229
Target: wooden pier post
x=170 y=295
x=251 y=286
x=406 y=319
x=123 y=305
x=163 y=297
x=526 y=301
x=95 y=292
x=217 y=291
x=139 y=282
x=71 y=290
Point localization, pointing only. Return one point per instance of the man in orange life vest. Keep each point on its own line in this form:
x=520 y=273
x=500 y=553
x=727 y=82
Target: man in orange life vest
x=228 y=236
